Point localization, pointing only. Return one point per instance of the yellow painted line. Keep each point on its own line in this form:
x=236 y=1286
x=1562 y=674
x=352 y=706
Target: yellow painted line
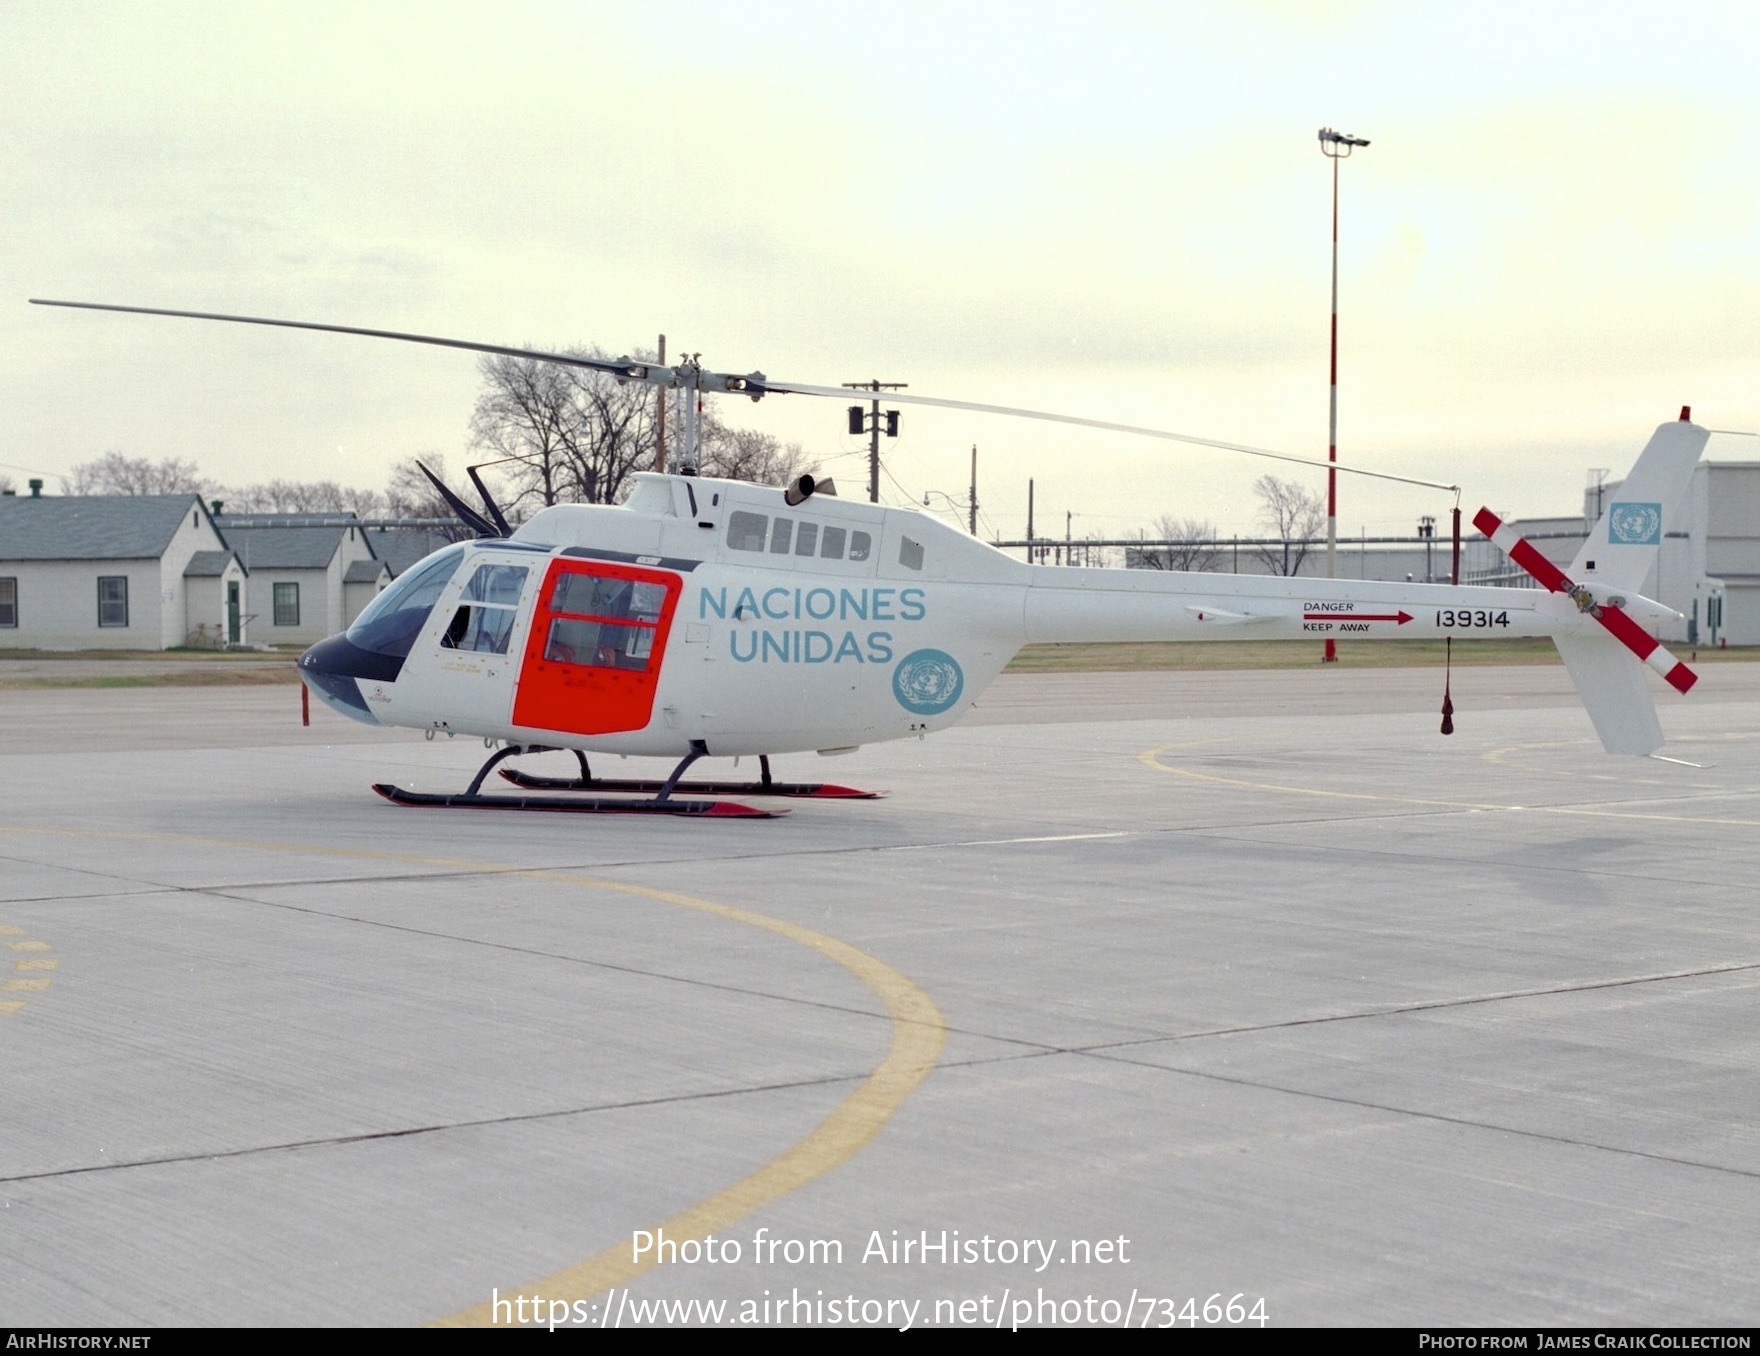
x=919 y=1034
x=12 y=1005
x=1152 y=758
x=25 y=966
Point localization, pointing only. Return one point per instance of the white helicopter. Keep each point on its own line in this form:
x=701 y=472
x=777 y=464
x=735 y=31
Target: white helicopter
x=708 y=617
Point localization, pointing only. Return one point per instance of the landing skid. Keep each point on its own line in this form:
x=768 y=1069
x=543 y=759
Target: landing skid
x=661 y=804
x=764 y=786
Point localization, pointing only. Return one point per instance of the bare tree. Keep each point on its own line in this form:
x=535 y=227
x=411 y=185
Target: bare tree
x=569 y=434
x=1182 y=544
x=410 y=494
x=1292 y=514
x=114 y=473
x=303 y=496
x=1091 y=552
x=747 y=454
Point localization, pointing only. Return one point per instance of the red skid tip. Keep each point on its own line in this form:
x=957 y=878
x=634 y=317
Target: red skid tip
x=721 y=809
x=1686 y=414
x=1681 y=678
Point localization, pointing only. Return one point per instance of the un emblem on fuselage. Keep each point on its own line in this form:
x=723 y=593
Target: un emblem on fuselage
x=1634 y=524
x=928 y=682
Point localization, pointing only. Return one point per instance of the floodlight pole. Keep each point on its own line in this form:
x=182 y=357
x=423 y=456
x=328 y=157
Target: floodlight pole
x=1335 y=146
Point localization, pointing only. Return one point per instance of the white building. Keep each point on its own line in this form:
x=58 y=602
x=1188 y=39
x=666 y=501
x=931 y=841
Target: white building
x=309 y=580
x=116 y=572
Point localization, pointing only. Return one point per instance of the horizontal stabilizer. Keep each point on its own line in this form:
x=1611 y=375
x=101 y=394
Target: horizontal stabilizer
x=1613 y=689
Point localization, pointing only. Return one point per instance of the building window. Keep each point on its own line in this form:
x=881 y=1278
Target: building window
x=287 y=605
x=113 y=600
x=8 y=602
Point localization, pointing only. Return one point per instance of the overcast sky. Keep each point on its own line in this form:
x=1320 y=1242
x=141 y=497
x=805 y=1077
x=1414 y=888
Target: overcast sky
x=1109 y=209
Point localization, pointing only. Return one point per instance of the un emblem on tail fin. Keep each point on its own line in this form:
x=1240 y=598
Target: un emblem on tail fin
x=1634 y=524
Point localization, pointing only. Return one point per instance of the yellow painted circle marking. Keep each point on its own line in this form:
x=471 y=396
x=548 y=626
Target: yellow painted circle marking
x=919 y=1034
x=1152 y=758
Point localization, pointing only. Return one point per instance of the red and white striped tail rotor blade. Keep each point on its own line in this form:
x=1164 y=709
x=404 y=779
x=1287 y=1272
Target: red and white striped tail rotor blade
x=1518 y=550
x=1641 y=643
x=1634 y=637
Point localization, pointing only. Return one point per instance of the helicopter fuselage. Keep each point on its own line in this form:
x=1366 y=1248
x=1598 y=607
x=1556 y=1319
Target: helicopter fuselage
x=716 y=613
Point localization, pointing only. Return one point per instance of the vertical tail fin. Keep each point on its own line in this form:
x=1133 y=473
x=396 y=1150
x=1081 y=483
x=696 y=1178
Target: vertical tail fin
x=1623 y=545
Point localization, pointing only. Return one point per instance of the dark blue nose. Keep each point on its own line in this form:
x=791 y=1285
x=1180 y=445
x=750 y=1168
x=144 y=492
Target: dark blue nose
x=332 y=667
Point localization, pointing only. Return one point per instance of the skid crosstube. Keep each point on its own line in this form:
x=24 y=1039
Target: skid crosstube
x=766 y=785
x=575 y=805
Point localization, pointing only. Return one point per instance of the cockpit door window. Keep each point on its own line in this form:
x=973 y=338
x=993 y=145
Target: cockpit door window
x=592 y=660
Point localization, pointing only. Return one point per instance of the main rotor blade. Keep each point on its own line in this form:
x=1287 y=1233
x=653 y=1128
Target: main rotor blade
x=754 y=385
x=1014 y=412
x=567 y=360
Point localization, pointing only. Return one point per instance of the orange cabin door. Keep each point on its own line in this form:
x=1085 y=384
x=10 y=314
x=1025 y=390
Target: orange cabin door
x=593 y=656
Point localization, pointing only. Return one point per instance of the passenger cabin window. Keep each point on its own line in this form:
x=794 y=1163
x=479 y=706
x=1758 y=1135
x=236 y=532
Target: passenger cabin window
x=910 y=553
x=745 y=531
x=487 y=608
x=784 y=536
x=610 y=623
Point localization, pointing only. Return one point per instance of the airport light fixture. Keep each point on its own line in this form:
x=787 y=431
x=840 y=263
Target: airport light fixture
x=1335 y=146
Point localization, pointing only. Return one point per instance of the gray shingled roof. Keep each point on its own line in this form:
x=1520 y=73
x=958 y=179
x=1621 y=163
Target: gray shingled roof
x=283 y=548
x=207 y=565
x=363 y=572
x=76 y=527
x=401 y=547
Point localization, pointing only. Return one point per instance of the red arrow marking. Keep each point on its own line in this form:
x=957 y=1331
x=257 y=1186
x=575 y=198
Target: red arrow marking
x=1401 y=617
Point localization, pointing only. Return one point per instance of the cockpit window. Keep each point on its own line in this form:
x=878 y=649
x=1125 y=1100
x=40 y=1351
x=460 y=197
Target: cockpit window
x=499 y=584
x=487 y=608
x=390 y=623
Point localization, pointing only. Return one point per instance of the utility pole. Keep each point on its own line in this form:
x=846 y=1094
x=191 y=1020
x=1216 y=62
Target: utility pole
x=660 y=417
x=873 y=427
x=972 y=521
x=1335 y=146
x=1032 y=551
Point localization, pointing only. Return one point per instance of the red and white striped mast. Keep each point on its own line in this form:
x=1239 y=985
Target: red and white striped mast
x=1335 y=146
